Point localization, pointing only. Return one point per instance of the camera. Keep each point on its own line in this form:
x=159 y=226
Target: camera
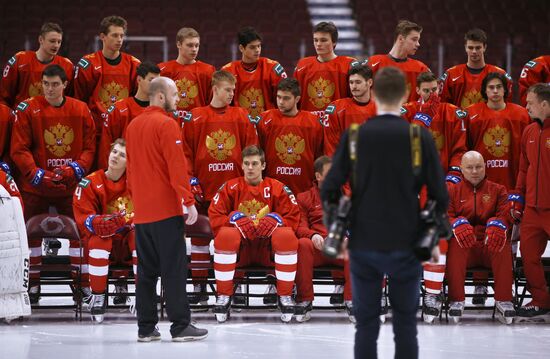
x=337 y=226
x=433 y=227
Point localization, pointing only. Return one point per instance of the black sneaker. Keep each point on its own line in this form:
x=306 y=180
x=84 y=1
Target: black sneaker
x=530 y=311
x=154 y=335
x=190 y=333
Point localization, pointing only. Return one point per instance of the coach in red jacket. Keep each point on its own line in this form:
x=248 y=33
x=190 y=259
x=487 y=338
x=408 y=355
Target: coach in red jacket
x=478 y=212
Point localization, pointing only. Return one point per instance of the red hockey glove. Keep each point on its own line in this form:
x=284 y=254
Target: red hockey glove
x=70 y=174
x=495 y=234
x=243 y=223
x=268 y=224
x=105 y=225
x=464 y=233
x=430 y=107
x=47 y=181
x=516 y=203
x=196 y=189
x=5 y=167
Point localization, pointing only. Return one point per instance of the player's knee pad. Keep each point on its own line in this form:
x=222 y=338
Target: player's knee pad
x=228 y=239
x=284 y=240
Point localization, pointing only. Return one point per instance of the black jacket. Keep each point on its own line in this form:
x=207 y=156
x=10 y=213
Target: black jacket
x=385 y=207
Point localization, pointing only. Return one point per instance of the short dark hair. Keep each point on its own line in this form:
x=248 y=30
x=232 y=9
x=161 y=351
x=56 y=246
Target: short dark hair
x=362 y=70
x=320 y=162
x=491 y=76
x=404 y=27
x=390 y=85
x=328 y=27
x=248 y=34
x=112 y=20
x=542 y=90
x=55 y=70
x=253 y=150
x=147 y=67
x=291 y=85
x=50 y=27
x=119 y=141
x=425 y=77
x=476 y=35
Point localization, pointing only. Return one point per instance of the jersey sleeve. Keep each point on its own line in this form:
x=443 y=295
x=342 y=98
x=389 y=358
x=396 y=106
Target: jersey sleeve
x=532 y=73
x=21 y=142
x=446 y=94
x=332 y=130
x=303 y=230
x=8 y=85
x=110 y=131
x=457 y=137
x=220 y=208
x=8 y=183
x=287 y=207
x=188 y=135
x=85 y=203
x=502 y=210
x=521 y=182
x=86 y=158
x=84 y=80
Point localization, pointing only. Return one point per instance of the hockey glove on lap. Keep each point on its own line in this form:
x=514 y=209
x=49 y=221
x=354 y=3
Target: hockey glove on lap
x=243 y=223
x=196 y=189
x=71 y=174
x=516 y=203
x=4 y=167
x=105 y=225
x=495 y=234
x=268 y=224
x=47 y=181
x=464 y=233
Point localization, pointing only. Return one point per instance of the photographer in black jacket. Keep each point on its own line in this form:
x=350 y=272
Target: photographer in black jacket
x=384 y=218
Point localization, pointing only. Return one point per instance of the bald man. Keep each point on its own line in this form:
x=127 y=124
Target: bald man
x=478 y=212
x=157 y=181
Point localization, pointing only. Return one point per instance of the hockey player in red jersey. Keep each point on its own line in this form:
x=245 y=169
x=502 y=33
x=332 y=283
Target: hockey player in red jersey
x=254 y=217
x=192 y=77
x=494 y=129
x=257 y=77
x=119 y=115
x=341 y=113
x=312 y=233
x=214 y=137
x=103 y=212
x=108 y=75
x=53 y=147
x=323 y=78
x=6 y=123
x=445 y=123
x=530 y=202
x=22 y=76
x=478 y=212
x=406 y=43
x=462 y=83
x=291 y=139
x=534 y=71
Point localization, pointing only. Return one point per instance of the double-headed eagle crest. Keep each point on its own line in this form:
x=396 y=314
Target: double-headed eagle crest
x=254 y=209
x=58 y=139
x=111 y=93
x=471 y=98
x=253 y=101
x=289 y=148
x=187 y=90
x=320 y=92
x=220 y=144
x=120 y=204
x=497 y=141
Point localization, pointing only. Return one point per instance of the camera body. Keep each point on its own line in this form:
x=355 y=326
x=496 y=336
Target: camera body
x=433 y=227
x=337 y=226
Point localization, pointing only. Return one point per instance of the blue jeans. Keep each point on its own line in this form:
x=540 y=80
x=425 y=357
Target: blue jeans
x=367 y=271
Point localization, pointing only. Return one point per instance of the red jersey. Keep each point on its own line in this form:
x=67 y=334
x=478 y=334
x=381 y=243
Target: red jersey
x=8 y=183
x=311 y=214
x=22 y=77
x=47 y=137
x=462 y=87
x=496 y=135
x=96 y=194
x=410 y=67
x=256 y=90
x=214 y=141
x=268 y=196
x=322 y=82
x=194 y=83
x=6 y=122
x=100 y=83
x=156 y=167
x=535 y=71
x=116 y=119
x=488 y=199
x=291 y=145
x=534 y=165
x=339 y=116
x=447 y=128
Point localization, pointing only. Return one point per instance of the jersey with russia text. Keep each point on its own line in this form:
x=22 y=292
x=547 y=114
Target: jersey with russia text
x=534 y=71
x=22 y=77
x=447 y=128
x=322 y=82
x=268 y=196
x=256 y=90
x=47 y=137
x=339 y=115
x=411 y=67
x=291 y=145
x=101 y=84
x=214 y=139
x=497 y=136
x=462 y=88
x=193 y=82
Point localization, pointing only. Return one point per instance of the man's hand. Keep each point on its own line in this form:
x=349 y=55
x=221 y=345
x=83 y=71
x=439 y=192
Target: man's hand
x=105 y=225
x=464 y=233
x=495 y=234
x=516 y=203
x=196 y=189
x=244 y=224
x=268 y=224
x=318 y=241
x=192 y=215
x=47 y=181
x=430 y=106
